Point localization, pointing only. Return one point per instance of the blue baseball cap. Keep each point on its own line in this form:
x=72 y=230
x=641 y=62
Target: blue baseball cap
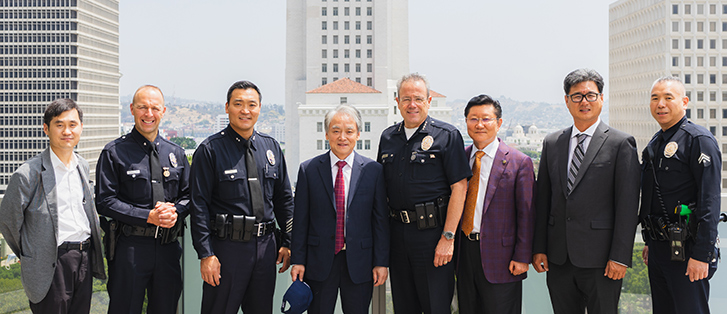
x=298 y=297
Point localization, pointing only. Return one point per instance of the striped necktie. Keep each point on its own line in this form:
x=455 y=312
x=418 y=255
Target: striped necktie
x=575 y=164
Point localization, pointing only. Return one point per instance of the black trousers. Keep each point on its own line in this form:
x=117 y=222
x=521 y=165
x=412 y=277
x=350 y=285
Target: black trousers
x=355 y=298
x=416 y=285
x=477 y=295
x=144 y=266
x=573 y=289
x=671 y=290
x=72 y=285
x=248 y=277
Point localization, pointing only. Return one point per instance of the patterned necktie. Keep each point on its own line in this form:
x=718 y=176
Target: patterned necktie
x=256 y=192
x=575 y=164
x=468 y=218
x=340 y=191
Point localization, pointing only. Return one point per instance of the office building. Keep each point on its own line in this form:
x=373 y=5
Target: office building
x=649 y=39
x=53 y=49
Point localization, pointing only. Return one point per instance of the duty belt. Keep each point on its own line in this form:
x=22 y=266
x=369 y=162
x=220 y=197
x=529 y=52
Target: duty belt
x=76 y=245
x=149 y=231
x=405 y=216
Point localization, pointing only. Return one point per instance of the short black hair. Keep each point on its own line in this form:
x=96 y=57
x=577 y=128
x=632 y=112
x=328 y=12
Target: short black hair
x=582 y=75
x=244 y=85
x=58 y=107
x=483 y=99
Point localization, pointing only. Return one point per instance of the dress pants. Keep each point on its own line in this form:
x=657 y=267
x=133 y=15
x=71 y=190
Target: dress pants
x=416 y=285
x=144 y=266
x=355 y=298
x=573 y=289
x=248 y=277
x=476 y=295
x=72 y=285
x=671 y=290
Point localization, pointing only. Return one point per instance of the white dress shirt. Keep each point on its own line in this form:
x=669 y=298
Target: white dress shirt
x=73 y=224
x=485 y=169
x=346 y=179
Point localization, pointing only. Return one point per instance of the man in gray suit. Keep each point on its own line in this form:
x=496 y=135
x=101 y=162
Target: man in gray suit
x=587 y=204
x=50 y=221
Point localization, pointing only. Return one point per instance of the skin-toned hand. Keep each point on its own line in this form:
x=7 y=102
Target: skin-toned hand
x=615 y=271
x=697 y=270
x=210 y=267
x=163 y=215
x=517 y=268
x=444 y=251
x=284 y=258
x=297 y=272
x=645 y=255
x=380 y=275
x=540 y=262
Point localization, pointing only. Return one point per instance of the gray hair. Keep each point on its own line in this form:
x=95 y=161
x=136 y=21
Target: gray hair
x=411 y=77
x=582 y=75
x=344 y=109
x=674 y=79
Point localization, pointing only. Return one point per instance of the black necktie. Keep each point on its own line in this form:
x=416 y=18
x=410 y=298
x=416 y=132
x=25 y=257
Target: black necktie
x=157 y=181
x=256 y=192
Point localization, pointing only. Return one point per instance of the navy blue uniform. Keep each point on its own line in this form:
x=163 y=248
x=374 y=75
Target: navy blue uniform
x=687 y=161
x=416 y=173
x=219 y=186
x=124 y=193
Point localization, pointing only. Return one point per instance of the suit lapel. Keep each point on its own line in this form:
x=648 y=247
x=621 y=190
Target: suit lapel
x=499 y=164
x=562 y=144
x=599 y=137
x=87 y=197
x=324 y=169
x=356 y=170
x=48 y=177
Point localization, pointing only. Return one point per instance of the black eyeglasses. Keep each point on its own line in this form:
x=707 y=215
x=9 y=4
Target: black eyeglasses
x=578 y=97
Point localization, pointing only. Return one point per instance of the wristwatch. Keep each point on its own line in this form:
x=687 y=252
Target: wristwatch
x=449 y=235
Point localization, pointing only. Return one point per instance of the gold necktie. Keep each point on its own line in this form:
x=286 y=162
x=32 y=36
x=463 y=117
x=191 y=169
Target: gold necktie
x=471 y=201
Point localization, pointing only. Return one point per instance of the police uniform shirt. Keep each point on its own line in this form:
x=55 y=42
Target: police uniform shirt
x=687 y=161
x=423 y=167
x=219 y=183
x=124 y=189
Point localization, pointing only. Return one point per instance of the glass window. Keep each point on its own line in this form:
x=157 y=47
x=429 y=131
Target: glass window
x=369 y=81
x=358 y=67
x=343 y=100
x=700 y=61
x=335 y=11
x=687 y=9
x=687 y=61
x=335 y=53
x=712 y=61
x=319 y=144
x=358 y=39
x=369 y=25
x=712 y=44
x=335 y=67
x=675 y=9
x=369 y=11
x=724 y=26
x=713 y=130
x=724 y=111
x=346 y=39
x=700 y=80
x=335 y=39
x=687 y=44
x=712 y=113
x=324 y=53
x=687 y=78
x=674 y=26
x=324 y=25
x=713 y=97
x=724 y=133
x=700 y=8
x=689 y=113
x=700 y=26
x=713 y=79
x=369 y=53
x=358 y=25
x=675 y=44
x=369 y=39
x=700 y=113
x=700 y=97
x=324 y=11
x=675 y=61
x=324 y=67
x=359 y=144
x=700 y=43
x=358 y=11
x=319 y=127
x=324 y=81
x=335 y=25
x=346 y=25
x=712 y=9
x=367 y=126
x=687 y=26
x=724 y=63
x=358 y=54
x=712 y=26
x=346 y=68
x=367 y=144
x=346 y=53
x=346 y=11
x=324 y=39
x=369 y=67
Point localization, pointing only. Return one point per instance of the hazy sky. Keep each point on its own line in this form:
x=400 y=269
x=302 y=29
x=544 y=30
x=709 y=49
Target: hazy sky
x=518 y=49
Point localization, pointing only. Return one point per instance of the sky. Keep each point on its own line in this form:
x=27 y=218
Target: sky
x=517 y=49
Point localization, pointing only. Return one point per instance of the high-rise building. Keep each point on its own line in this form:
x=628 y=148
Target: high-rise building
x=687 y=39
x=364 y=41
x=53 y=49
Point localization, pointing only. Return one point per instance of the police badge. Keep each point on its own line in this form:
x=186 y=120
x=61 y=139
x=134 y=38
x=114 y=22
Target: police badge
x=427 y=142
x=670 y=149
x=173 y=160
x=271 y=157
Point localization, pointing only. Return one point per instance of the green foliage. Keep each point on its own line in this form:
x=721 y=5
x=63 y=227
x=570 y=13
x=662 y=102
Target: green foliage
x=532 y=154
x=10 y=279
x=185 y=142
x=637 y=277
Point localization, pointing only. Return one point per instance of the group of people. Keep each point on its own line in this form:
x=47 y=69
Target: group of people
x=427 y=211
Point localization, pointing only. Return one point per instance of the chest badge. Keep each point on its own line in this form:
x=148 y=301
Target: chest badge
x=271 y=157
x=670 y=149
x=173 y=160
x=166 y=172
x=427 y=142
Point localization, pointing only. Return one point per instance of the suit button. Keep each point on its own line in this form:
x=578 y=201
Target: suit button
x=567 y=219
x=54 y=265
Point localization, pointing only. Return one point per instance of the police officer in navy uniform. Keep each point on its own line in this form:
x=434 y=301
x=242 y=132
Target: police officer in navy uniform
x=681 y=166
x=426 y=171
x=234 y=210
x=143 y=185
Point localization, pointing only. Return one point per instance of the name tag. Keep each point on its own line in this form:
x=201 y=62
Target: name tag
x=231 y=171
x=251 y=179
x=133 y=172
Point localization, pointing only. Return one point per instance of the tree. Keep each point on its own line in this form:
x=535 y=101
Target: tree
x=185 y=142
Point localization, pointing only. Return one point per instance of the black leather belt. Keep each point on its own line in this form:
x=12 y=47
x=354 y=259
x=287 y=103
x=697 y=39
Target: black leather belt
x=405 y=216
x=130 y=230
x=474 y=236
x=76 y=245
x=264 y=228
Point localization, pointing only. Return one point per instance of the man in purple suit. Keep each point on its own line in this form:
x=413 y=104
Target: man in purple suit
x=495 y=245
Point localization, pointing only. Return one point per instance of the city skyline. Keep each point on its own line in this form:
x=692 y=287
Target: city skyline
x=521 y=50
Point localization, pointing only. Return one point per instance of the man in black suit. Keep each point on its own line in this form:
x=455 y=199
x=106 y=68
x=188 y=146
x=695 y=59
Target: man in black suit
x=587 y=203
x=341 y=233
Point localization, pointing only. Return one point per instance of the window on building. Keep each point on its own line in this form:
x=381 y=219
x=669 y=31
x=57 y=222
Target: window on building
x=319 y=126
x=343 y=100
x=324 y=39
x=335 y=11
x=674 y=26
x=369 y=53
x=358 y=11
x=326 y=145
x=700 y=78
x=724 y=133
x=358 y=67
x=369 y=39
x=724 y=9
x=687 y=44
x=324 y=67
x=700 y=8
x=324 y=80
x=358 y=39
x=689 y=94
x=335 y=25
x=369 y=81
x=724 y=62
x=335 y=39
x=712 y=26
x=346 y=25
x=675 y=9
x=700 y=97
x=369 y=25
x=367 y=144
x=687 y=9
x=358 y=25
x=324 y=53
x=700 y=61
x=358 y=54
x=346 y=11
x=712 y=44
x=687 y=61
x=700 y=26
x=713 y=97
x=724 y=111
x=346 y=68
x=689 y=113
x=700 y=113
x=335 y=67
x=369 y=11
x=346 y=53
x=675 y=44
x=359 y=144
x=335 y=53
x=700 y=43
x=724 y=26
x=687 y=78
x=346 y=39
x=369 y=67
x=712 y=61
x=687 y=26
x=713 y=79
x=675 y=61
x=319 y=144
x=335 y=79
x=367 y=126
x=713 y=130
x=358 y=80
x=713 y=113
x=712 y=9
x=324 y=11
x=324 y=25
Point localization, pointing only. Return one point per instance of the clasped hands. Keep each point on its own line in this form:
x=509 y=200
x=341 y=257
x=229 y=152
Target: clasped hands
x=163 y=215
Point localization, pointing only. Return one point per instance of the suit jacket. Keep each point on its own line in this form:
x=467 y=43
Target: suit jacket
x=596 y=222
x=367 y=219
x=30 y=222
x=508 y=214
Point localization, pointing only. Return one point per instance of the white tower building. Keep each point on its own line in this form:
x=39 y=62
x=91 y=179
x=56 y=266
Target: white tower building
x=57 y=49
x=651 y=38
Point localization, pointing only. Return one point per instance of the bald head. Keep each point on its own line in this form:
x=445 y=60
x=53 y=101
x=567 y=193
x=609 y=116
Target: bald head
x=146 y=88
